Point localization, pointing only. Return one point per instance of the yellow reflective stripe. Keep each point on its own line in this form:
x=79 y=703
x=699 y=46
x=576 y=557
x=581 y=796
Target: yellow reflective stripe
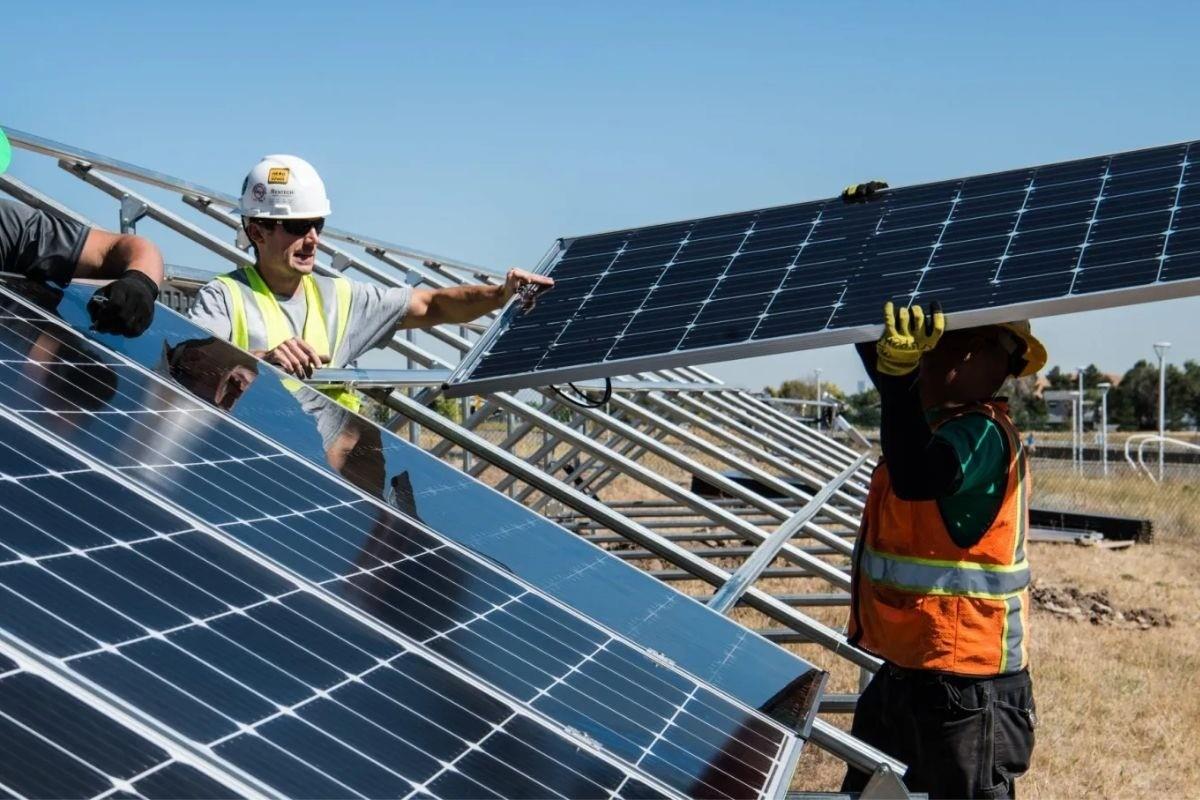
x=277 y=328
x=957 y=578
x=316 y=332
x=239 y=333
x=1012 y=642
x=342 y=287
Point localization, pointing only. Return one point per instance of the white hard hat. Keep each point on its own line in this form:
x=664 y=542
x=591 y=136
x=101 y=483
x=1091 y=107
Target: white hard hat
x=283 y=187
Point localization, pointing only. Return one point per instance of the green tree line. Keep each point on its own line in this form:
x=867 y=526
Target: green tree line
x=1132 y=403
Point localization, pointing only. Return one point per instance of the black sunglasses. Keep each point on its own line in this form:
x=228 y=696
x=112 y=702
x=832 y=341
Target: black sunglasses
x=296 y=227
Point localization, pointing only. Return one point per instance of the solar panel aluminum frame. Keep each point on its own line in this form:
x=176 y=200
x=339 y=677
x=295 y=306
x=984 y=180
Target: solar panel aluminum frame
x=788 y=756
x=461 y=382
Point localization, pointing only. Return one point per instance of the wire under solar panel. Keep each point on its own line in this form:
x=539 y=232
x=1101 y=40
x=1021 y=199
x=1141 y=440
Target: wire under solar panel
x=261 y=674
x=487 y=522
x=55 y=744
x=658 y=719
x=1063 y=237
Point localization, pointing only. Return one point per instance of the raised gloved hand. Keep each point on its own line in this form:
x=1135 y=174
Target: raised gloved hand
x=862 y=192
x=124 y=306
x=907 y=336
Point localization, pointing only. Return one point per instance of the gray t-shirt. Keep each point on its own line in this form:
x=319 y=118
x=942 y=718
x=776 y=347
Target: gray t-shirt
x=38 y=245
x=375 y=311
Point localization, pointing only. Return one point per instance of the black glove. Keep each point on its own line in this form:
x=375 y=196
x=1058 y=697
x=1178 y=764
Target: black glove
x=125 y=306
x=862 y=192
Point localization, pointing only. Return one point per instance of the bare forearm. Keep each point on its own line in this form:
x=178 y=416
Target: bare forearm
x=457 y=304
x=108 y=255
x=136 y=253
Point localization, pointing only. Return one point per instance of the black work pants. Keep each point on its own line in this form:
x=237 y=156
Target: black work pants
x=961 y=737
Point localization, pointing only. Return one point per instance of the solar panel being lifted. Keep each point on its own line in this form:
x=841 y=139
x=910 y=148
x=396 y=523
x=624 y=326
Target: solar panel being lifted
x=299 y=634
x=1099 y=232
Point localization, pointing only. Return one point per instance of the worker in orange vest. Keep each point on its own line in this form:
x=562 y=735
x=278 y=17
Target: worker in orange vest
x=940 y=581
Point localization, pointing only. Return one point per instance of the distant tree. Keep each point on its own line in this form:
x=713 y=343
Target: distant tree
x=1057 y=379
x=1133 y=403
x=862 y=408
x=1026 y=406
x=801 y=389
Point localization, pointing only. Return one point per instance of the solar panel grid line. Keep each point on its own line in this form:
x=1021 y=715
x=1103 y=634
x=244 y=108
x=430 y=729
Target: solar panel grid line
x=100 y=703
x=323 y=693
x=1109 y=215
x=1183 y=170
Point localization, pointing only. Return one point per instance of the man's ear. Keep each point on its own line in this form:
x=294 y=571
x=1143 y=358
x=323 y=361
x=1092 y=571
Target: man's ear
x=254 y=233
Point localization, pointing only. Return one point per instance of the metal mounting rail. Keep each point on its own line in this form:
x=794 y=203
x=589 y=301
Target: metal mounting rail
x=729 y=594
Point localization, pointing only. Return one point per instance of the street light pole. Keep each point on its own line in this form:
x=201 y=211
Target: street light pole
x=1160 y=349
x=1079 y=419
x=818 y=392
x=1104 y=387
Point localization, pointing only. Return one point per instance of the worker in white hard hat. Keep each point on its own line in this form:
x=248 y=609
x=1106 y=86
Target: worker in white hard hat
x=280 y=311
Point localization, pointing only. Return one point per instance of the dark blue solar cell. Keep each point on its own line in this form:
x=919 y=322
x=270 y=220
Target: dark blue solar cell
x=33 y=768
x=155 y=696
x=288 y=774
x=180 y=780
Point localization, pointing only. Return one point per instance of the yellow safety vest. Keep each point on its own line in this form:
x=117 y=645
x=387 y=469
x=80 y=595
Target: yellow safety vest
x=279 y=330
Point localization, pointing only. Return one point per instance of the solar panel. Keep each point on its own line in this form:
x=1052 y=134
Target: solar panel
x=321 y=641
x=1072 y=236
x=525 y=544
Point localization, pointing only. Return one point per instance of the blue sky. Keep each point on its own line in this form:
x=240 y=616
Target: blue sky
x=484 y=131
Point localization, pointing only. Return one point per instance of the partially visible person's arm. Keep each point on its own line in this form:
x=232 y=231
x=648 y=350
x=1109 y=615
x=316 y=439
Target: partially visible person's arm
x=111 y=255
x=126 y=305
x=457 y=304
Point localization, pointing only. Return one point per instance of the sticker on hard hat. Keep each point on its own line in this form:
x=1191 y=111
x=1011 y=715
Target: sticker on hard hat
x=259 y=191
x=278 y=175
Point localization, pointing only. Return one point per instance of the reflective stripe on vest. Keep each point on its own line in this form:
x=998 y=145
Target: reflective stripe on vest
x=931 y=576
x=278 y=329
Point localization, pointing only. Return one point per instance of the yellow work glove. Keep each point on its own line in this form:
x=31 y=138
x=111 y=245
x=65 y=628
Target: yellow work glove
x=906 y=337
x=862 y=192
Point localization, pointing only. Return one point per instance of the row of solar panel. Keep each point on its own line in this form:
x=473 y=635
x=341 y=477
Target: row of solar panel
x=996 y=240
x=458 y=681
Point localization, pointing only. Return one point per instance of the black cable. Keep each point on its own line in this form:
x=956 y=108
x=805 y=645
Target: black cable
x=586 y=402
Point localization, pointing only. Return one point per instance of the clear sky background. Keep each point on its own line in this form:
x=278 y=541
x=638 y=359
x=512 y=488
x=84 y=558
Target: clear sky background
x=484 y=131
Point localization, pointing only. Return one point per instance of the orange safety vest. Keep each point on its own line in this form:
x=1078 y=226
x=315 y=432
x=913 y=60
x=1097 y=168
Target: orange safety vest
x=920 y=601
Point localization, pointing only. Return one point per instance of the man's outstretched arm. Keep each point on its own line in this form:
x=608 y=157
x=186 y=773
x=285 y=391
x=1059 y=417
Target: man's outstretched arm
x=458 y=304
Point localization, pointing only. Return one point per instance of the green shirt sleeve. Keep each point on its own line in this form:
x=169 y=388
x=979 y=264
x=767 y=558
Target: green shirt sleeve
x=982 y=452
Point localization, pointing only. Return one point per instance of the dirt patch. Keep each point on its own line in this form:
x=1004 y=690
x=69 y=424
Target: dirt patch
x=1095 y=607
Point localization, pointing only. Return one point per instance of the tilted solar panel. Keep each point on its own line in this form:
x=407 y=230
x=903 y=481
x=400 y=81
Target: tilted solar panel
x=520 y=541
x=240 y=614
x=1064 y=237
